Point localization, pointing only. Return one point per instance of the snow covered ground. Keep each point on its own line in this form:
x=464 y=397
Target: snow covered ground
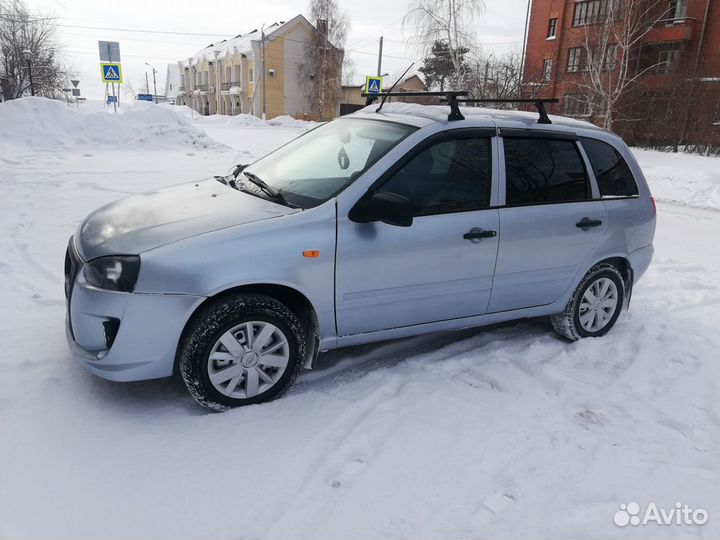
x=504 y=432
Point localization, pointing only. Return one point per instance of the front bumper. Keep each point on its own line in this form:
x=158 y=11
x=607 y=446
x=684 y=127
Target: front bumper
x=145 y=335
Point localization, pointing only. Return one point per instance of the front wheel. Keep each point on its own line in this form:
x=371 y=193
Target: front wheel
x=594 y=306
x=240 y=350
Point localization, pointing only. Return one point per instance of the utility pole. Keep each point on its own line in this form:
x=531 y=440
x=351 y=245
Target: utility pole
x=524 y=46
x=262 y=62
x=147 y=83
x=155 y=86
x=28 y=58
x=380 y=57
x=154 y=81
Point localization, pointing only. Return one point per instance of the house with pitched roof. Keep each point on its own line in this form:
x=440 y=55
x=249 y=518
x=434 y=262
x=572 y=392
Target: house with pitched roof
x=228 y=77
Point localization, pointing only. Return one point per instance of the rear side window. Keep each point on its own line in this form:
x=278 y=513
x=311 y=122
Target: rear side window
x=448 y=176
x=613 y=175
x=541 y=171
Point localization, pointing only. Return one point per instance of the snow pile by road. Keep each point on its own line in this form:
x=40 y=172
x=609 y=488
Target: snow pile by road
x=39 y=123
x=682 y=178
x=238 y=120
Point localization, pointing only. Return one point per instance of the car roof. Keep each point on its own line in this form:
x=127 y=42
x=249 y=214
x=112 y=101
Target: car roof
x=425 y=115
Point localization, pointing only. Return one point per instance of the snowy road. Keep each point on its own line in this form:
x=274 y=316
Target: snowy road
x=504 y=432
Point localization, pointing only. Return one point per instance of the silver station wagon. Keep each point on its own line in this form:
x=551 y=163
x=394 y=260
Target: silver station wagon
x=390 y=222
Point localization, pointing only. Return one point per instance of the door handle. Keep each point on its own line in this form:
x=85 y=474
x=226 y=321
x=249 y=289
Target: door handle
x=476 y=233
x=586 y=223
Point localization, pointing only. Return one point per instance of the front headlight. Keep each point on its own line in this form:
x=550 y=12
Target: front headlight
x=116 y=273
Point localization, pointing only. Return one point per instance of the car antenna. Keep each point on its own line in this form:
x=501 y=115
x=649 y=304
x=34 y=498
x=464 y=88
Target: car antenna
x=393 y=86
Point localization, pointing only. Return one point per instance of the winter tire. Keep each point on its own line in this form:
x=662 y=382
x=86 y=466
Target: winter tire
x=240 y=350
x=594 y=306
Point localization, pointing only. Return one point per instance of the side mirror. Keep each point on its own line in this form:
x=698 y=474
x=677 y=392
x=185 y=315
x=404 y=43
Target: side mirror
x=390 y=208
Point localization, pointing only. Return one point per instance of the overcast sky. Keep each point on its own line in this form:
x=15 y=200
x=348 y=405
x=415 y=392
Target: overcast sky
x=165 y=27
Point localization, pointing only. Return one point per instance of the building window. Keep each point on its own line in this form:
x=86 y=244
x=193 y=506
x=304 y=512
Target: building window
x=592 y=11
x=716 y=120
x=610 y=57
x=677 y=11
x=667 y=60
x=552 y=29
x=547 y=69
x=252 y=75
x=575 y=59
x=576 y=105
x=601 y=61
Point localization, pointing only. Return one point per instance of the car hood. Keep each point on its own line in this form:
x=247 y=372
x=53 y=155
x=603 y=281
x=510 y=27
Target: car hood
x=149 y=220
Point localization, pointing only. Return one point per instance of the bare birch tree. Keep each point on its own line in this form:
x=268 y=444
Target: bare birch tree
x=321 y=72
x=612 y=51
x=20 y=31
x=449 y=21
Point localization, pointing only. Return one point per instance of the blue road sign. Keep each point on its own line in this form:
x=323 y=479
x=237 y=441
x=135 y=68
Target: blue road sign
x=145 y=97
x=111 y=99
x=373 y=85
x=111 y=73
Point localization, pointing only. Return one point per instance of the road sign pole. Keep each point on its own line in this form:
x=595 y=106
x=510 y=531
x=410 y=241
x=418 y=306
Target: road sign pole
x=380 y=57
x=114 y=100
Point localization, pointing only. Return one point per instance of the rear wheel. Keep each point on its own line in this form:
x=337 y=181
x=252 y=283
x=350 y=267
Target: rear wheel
x=240 y=350
x=594 y=306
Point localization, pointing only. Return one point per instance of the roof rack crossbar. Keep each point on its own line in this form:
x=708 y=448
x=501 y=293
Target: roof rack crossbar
x=539 y=103
x=450 y=96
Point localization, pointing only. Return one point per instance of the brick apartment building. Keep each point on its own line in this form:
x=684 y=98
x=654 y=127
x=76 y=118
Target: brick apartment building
x=677 y=97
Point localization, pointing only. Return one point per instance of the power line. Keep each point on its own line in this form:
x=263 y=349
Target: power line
x=166 y=32
x=376 y=33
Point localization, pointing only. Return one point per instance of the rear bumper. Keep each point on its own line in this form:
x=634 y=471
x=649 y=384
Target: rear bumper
x=640 y=260
x=141 y=340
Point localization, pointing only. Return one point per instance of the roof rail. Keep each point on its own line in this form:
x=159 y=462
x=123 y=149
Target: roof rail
x=450 y=96
x=538 y=102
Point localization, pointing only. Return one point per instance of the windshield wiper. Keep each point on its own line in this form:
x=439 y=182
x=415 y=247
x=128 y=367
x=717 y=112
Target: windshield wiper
x=271 y=192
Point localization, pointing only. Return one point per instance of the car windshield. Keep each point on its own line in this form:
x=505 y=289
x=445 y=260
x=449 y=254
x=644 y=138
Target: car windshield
x=320 y=164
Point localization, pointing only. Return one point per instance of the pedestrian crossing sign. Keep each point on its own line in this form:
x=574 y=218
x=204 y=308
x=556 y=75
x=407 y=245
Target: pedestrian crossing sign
x=111 y=73
x=373 y=85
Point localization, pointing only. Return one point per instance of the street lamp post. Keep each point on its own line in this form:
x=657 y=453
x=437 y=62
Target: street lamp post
x=154 y=82
x=28 y=58
x=218 y=82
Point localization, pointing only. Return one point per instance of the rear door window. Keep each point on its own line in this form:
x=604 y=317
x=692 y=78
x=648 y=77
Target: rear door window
x=612 y=172
x=542 y=171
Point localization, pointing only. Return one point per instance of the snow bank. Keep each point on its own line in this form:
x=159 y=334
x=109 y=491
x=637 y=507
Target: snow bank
x=682 y=178
x=39 y=123
x=238 y=120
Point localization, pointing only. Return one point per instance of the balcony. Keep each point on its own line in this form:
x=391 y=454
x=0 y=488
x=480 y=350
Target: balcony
x=225 y=87
x=202 y=88
x=671 y=30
